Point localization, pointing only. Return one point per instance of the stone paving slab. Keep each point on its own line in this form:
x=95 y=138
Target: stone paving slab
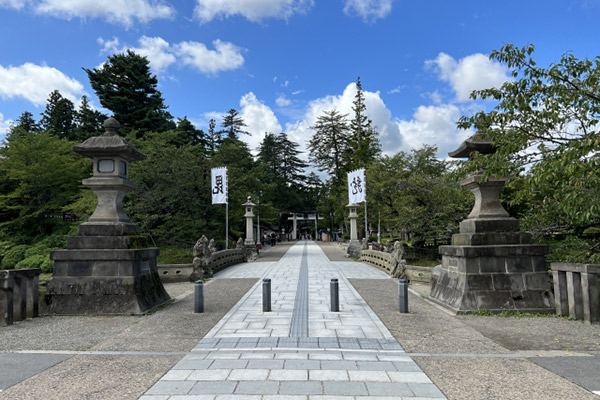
x=300 y=348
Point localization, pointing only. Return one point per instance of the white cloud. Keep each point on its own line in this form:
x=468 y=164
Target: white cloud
x=158 y=52
x=109 y=46
x=226 y=56
x=4 y=126
x=13 y=4
x=162 y=54
x=259 y=119
x=433 y=125
x=473 y=72
x=282 y=101
x=122 y=12
x=34 y=83
x=253 y=10
x=397 y=89
x=368 y=10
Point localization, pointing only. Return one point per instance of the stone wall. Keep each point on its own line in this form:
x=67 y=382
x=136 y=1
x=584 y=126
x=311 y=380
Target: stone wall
x=19 y=295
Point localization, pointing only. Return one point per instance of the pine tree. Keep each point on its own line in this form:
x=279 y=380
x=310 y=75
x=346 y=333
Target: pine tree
x=364 y=139
x=59 y=116
x=88 y=122
x=125 y=86
x=329 y=144
x=25 y=123
x=232 y=124
x=188 y=134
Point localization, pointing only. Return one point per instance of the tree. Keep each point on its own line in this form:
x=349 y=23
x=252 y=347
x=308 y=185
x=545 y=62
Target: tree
x=364 y=140
x=59 y=115
x=44 y=177
x=232 y=124
x=125 y=86
x=26 y=123
x=88 y=122
x=545 y=129
x=329 y=144
x=172 y=201
x=416 y=196
x=188 y=134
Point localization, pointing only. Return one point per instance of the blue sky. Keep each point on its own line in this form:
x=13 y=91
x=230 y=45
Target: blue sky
x=283 y=62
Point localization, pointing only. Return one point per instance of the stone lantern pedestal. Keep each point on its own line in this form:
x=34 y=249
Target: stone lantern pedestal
x=490 y=265
x=98 y=273
x=354 y=246
x=250 y=249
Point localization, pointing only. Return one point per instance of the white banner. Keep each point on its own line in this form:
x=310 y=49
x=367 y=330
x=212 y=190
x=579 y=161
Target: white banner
x=357 y=188
x=218 y=184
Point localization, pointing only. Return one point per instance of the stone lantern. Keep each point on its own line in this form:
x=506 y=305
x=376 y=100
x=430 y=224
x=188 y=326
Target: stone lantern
x=490 y=264
x=250 y=248
x=354 y=245
x=249 y=206
x=97 y=273
x=110 y=155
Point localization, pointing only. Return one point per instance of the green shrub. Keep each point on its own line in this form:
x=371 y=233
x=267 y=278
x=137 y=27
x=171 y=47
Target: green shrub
x=13 y=256
x=175 y=255
x=37 y=261
x=38 y=249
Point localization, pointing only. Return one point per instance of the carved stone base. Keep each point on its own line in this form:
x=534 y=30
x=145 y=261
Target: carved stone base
x=493 y=277
x=100 y=275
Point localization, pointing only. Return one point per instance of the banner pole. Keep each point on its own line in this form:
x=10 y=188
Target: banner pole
x=366 y=226
x=227 y=225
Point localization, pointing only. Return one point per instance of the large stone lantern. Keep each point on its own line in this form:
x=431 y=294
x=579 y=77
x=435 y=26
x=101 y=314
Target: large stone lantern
x=111 y=156
x=97 y=273
x=354 y=245
x=490 y=264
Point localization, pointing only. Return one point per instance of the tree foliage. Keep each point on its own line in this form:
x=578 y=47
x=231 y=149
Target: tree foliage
x=363 y=140
x=545 y=129
x=416 y=196
x=233 y=124
x=42 y=176
x=59 y=116
x=125 y=86
x=329 y=144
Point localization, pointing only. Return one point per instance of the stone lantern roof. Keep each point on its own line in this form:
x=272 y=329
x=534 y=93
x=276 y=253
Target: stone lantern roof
x=109 y=144
x=472 y=144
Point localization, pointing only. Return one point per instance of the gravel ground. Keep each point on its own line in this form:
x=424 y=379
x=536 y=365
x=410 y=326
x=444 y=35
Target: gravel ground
x=173 y=328
x=466 y=361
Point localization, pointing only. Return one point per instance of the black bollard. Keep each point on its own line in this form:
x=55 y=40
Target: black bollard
x=199 y=297
x=403 y=295
x=266 y=295
x=334 y=288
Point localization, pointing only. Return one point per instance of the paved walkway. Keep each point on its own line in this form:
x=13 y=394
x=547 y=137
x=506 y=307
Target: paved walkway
x=299 y=350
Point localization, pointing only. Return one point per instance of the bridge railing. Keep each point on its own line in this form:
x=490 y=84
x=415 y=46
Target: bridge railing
x=183 y=272
x=576 y=290
x=382 y=260
x=19 y=295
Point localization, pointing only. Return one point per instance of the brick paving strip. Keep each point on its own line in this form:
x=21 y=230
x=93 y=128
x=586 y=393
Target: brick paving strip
x=300 y=350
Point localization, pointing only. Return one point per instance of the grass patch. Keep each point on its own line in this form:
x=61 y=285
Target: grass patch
x=175 y=255
x=518 y=314
x=422 y=262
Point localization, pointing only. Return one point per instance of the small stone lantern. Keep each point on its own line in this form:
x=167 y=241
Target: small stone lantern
x=249 y=205
x=354 y=245
x=111 y=155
